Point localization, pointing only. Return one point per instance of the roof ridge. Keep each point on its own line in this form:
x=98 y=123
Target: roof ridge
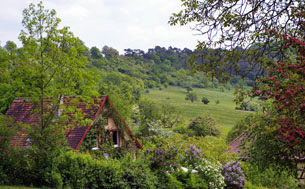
x=237 y=138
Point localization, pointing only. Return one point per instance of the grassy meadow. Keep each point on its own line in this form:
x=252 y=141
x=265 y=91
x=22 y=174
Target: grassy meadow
x=15 y=187
x=224 y=113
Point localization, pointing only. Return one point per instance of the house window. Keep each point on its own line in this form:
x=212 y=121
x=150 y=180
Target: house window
x=97 y=140
x=115 y=138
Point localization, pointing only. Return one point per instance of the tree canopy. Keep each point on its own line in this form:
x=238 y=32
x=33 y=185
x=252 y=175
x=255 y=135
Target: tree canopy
x=50 y=65
x=203 y=126
x=238 y=26
x=266 y=37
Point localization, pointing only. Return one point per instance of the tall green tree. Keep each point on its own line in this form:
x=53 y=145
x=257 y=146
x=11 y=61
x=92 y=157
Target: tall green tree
x=122 y=89
x=58 y=68
x=238 y=26
x=95 y=53
x=110 y=52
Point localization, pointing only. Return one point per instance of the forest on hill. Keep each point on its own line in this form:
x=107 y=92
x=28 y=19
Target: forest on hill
x=228 y=114
x=157 y=68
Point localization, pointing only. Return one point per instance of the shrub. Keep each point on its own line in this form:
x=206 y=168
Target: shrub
x=233 y=174
x=203 y=126
x=150 y=84
x=269 y=177
x=191 y=157
x=208 y=172
x=191 y=96
x=247 y=106
x=30 y=166
x=180 y=129
x=217 y=102
x=211 y=173
x=189 y=89
x=214 y=148
x=136 y=174
x=166 y=181
x=163 y=159
x=82 y=171
x=190 y=180
x=77 y=170
x=155 y=128
x=18 y=168
x=6 y=132
x=3 y=176
x=205 y=100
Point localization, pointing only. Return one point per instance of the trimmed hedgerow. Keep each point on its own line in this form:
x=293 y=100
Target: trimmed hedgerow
x=82 y=171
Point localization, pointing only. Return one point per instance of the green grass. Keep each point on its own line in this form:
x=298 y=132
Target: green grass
x=224 y=113
x=14 y=187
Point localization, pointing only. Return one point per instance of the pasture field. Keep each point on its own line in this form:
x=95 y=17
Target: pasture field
x=224 y=113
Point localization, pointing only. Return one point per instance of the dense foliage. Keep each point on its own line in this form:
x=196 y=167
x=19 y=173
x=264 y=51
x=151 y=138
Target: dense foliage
x=205 y=100
x=191 y=96
x=268 y=178
x=71 y=169
x=237 y=25
x=285 y=87
x=203 y=126
x=53 y=63
x=233 y=174
x=278 y=137
x=269 y=36
x=240 y=127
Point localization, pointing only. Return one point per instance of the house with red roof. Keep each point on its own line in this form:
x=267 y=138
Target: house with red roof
x=106 y=124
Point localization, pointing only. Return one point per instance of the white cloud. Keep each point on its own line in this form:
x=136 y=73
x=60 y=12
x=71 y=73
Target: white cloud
x=118 y=23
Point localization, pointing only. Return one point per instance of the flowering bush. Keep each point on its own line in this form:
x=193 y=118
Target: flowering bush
x=233 y=174
x=155 y=128
x=284 y=85
x=192 y=156
x=211 y=173
x=164 y=158
x=278 y=136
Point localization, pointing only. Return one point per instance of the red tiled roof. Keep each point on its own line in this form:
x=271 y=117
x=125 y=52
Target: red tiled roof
x=22 y=112
x=237 y=143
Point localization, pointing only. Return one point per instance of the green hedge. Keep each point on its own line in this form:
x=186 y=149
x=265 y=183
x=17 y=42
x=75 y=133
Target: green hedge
x=30 y=167
x=268 y=178
x=69 y=169
x=77 y=170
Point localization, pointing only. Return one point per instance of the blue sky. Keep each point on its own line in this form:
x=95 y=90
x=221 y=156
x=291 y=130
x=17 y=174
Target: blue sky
x=121 y=24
